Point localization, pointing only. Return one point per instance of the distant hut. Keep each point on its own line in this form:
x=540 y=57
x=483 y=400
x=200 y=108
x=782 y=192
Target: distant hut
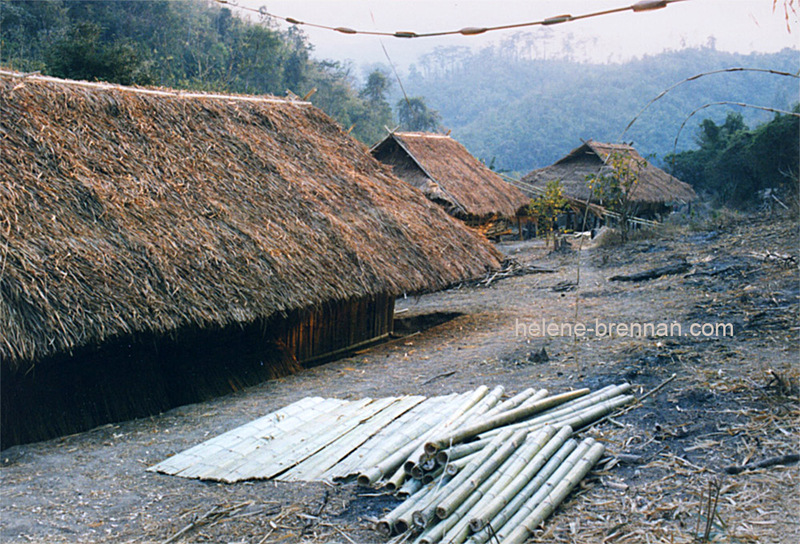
x=160 y=247
x=450 y=176
x=655 y=194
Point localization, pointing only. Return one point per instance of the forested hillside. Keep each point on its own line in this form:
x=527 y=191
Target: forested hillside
x=519 y=112
x=184 y=44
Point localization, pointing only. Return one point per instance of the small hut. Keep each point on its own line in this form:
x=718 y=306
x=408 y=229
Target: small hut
x=450 y=176
x=159 y=248
x=655 y=194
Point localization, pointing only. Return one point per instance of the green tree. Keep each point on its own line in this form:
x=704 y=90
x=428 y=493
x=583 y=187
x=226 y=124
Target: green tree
x=184 y=44
x=415 y=115
x=81 y=54
x=733 y=163
x=376 y=87
x=614 y=186
x=545 y=208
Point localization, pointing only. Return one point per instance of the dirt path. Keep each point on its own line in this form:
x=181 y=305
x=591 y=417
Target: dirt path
x=719 y=410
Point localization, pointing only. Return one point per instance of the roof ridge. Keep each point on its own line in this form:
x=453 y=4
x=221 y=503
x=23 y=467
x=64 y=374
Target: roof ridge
x=174 y=93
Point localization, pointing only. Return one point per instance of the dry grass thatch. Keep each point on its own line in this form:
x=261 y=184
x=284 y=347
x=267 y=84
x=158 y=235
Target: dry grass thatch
x=125 y=211
x=654 y=186
x=446 y=172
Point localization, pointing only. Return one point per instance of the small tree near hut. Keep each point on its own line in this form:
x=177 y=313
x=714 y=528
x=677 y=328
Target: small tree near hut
x=545 y=208
x=613 y=187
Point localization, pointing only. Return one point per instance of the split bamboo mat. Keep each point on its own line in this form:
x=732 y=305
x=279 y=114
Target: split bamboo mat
x=469 y=466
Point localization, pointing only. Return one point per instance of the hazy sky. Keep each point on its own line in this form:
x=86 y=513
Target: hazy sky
x=736 y=25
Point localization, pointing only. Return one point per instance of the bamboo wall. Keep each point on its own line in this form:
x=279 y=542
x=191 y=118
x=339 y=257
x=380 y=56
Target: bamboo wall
x=147 y=374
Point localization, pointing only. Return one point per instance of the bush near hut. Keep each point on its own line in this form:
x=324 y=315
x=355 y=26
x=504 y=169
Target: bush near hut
x=544 y=209
x=614 y=185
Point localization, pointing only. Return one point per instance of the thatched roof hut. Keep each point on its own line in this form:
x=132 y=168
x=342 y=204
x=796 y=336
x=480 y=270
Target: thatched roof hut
x=655 y=188
x=448 y=174
x=162 y=220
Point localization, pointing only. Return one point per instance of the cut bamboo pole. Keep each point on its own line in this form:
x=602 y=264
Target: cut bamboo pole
x=387 y=524
x=546 y=488
x=457 y=496
x=494 y=503
x=393 y=437
x=512 y=465
x=604 y=408
x=426 y=512
x=516 y=401
x=503 y=419
x=409 y=487
x=397 y=480
x=456 y=466
x=526 y=527
x=595 y=397
x=459 y=451
x=554 y=414
x=394 y=458
x=453 y=420
x=429 y=477
x=575 y=419
x=508 y=511
x=537 y=396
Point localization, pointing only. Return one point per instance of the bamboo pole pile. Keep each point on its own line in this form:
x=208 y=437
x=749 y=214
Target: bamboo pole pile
x=499 y=472
x=469 y=466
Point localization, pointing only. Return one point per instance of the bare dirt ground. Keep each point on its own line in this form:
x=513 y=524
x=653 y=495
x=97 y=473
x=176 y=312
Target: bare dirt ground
x=724 y=407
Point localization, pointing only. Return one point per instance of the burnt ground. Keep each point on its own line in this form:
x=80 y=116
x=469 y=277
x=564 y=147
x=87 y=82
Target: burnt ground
x=724 y=406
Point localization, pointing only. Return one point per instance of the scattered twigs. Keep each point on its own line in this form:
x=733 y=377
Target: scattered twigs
x=216 y=513
x=657 y=388
x=671 y=269
x=788 y=459
x=783 y=385
x=443 y=375
x=772 y=256
x=509 y=269
x=636 y=404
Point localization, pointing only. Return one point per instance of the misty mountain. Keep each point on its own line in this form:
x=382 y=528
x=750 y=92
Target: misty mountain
x=517 y=112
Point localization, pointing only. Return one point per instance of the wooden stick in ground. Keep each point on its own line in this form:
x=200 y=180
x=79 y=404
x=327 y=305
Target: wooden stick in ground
x=525 y=529
x=505 y=418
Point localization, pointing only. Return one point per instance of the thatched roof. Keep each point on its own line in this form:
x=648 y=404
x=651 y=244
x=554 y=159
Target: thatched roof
x=447 y=173
x=654 y=186
x=126 y=211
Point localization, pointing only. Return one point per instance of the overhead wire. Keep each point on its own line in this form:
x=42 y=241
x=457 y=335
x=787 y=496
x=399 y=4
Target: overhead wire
x=638 y=7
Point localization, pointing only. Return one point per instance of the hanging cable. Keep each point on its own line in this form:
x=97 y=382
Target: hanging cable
x=698 y=76
x=638 y=7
